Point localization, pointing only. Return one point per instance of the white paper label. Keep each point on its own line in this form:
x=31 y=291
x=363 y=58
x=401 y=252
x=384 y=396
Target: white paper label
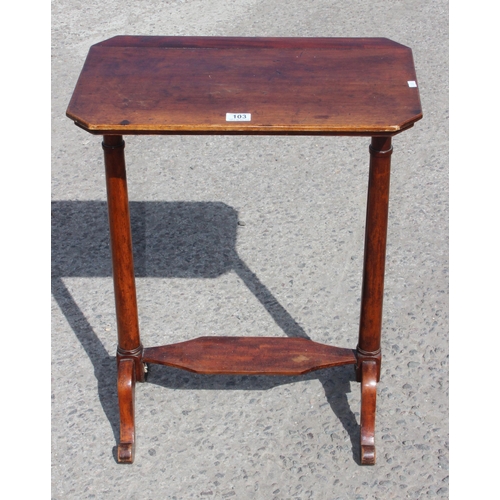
x=238 y=117
x=412 y=83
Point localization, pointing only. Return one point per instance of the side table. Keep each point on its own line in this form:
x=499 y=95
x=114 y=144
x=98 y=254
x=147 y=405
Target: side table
x=133 y=85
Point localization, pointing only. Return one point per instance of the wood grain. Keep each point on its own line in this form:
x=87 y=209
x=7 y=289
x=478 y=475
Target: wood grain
x=377 y=213
x=249 y=355
x=154 y=85
x=368 y=410
x=126 y=404
x=121 y=243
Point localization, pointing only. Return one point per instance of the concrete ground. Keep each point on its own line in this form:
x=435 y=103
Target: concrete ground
x=300 y=203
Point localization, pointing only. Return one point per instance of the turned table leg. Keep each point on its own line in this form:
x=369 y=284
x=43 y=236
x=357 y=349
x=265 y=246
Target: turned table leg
x=129 y=352
x=368 y=351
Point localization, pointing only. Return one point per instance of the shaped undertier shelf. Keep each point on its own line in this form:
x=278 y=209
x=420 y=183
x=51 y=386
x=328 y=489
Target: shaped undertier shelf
x=249 y=355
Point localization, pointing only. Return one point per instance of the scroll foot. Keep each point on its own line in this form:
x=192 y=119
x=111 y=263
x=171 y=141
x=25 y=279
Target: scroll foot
x=126 y=389
x=368 y=406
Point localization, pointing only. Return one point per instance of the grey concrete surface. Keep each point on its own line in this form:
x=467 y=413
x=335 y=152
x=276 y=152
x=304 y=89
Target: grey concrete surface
x=301 y=206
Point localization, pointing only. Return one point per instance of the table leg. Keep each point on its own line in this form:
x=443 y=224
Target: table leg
x=129 y=352
x=368 y=351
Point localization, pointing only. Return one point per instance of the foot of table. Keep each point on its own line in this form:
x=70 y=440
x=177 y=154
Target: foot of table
x=369 y=371
x=126 y=402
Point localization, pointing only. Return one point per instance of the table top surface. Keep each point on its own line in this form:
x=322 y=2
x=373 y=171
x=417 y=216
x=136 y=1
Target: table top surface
x=237 y=85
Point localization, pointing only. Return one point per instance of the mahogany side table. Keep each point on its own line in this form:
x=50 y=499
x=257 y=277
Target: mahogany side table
x=247 y=86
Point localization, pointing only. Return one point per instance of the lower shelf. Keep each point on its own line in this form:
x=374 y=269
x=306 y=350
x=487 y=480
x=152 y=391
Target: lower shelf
x=249 y=355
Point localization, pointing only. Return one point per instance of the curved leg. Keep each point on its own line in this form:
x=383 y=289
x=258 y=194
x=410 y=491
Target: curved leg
x=369 y=372
x=126 y=389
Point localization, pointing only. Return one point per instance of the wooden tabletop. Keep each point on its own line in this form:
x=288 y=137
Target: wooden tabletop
x=229 y=85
